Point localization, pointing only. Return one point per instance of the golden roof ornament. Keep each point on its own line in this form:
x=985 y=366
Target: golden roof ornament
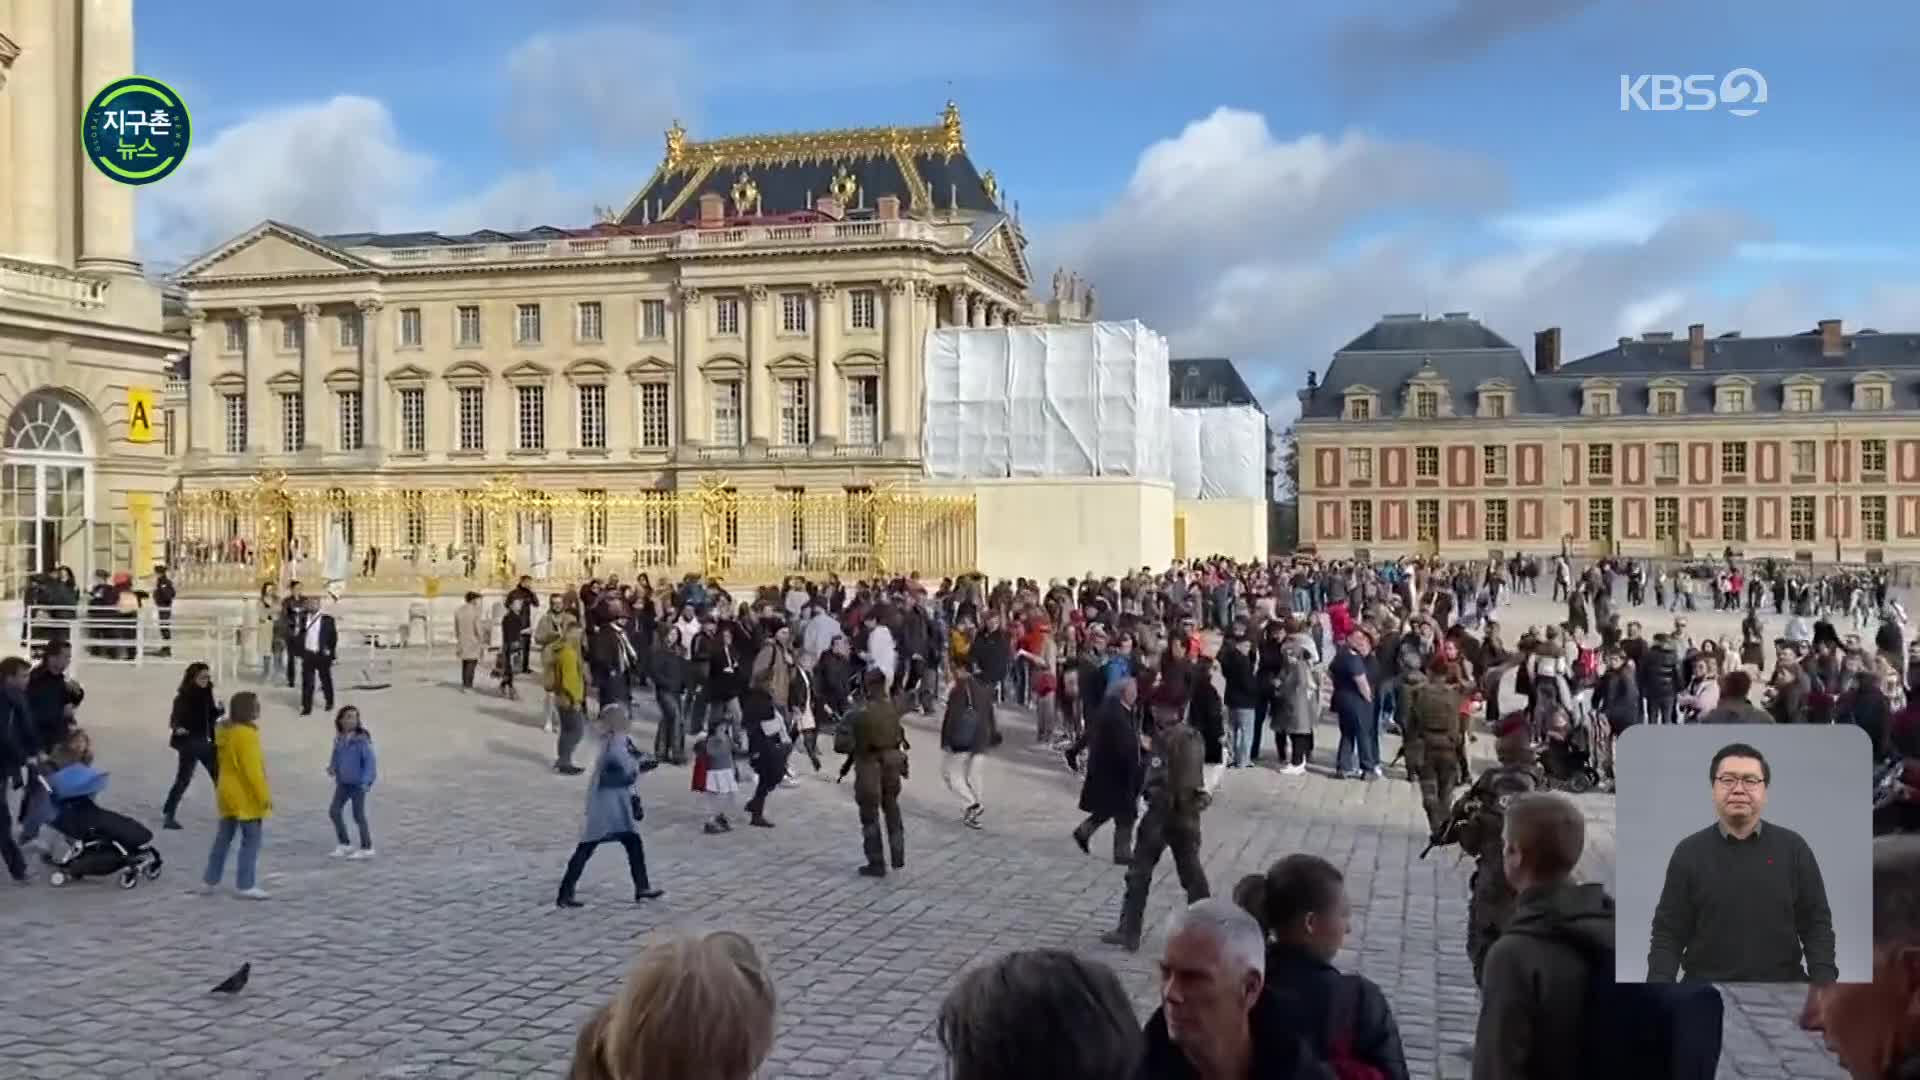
x=992 y=184
x=844 y=187
x=952 y=142
x=676 y=145
x=746 y=196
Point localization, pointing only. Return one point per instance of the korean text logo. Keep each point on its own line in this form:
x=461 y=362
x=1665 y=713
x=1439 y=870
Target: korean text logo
x=136 y=130
x=1741 y=92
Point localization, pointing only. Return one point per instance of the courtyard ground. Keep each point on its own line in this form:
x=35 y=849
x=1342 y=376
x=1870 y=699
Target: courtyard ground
x=444 y=957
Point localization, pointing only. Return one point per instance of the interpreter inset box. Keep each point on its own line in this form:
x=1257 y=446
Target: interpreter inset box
x=1744 y=853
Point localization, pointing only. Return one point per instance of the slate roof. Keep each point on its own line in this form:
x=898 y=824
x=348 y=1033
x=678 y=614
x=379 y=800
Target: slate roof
x=1194 y=376
x=1467 y=354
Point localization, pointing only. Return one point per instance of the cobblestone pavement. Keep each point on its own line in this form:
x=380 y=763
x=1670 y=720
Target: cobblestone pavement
x=444 y=957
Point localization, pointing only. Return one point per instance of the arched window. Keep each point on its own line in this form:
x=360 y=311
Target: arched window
x=44 y=424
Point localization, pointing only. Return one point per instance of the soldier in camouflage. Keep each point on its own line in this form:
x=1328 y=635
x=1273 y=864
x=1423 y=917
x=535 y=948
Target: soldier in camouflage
x=1481 y=835
x=1435 y=743
x=1176 y=793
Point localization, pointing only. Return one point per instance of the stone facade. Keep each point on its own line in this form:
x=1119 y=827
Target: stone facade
x=1435 y=436
x=81 y=348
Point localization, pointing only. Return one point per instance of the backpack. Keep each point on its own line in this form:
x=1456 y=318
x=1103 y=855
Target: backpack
x=1660 y=1031
x=1343 y=1014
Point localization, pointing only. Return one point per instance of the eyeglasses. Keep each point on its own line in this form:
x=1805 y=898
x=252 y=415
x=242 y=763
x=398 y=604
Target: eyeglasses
x=1730 y=782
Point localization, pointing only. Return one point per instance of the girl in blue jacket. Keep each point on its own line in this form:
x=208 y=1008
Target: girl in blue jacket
x=353 y=770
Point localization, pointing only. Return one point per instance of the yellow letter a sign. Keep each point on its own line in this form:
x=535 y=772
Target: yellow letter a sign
x=140 y=416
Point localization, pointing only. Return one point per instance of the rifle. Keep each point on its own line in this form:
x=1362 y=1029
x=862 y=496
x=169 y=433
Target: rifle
x=1465 y=809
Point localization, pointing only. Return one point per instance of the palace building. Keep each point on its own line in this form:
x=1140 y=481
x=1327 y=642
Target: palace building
x=83 y=473
x=751 y=324
x=1435 y=436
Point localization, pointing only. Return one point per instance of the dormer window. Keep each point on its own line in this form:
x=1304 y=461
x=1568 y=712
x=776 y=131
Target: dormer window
x=1666 y=403
x=1427 y=397
x=1733 y=394
x=1495 y=398
x=1360 y=403
x=1801 y=394
x=1873 y=391
x=1360 y=409
x=1599 y=397
x=1666 y=397
x=1426 y=404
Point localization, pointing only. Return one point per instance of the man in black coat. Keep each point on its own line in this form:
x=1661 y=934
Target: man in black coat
x=52 y=697
x=1660 y=680
x=1111 y=789
x=319 y=646
x=16 y=735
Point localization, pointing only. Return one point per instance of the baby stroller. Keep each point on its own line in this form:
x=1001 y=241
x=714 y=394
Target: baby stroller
x=101 y=842
x=1576 y=753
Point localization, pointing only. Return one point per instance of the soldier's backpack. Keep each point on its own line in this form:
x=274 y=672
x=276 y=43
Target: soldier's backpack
x=1657 y=1031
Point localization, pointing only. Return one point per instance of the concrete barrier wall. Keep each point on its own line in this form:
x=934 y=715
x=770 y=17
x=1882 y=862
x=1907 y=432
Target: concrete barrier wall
x=1233 y=527
x=1044 y=527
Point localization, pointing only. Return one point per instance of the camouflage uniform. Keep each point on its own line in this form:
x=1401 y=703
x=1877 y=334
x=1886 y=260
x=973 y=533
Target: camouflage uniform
x=1435 y=746
x=1481 y=835
x=1176 y=794
x=879 y=764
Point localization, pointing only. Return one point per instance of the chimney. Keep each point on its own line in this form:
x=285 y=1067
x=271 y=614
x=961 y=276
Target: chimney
x=887 y=207
x=830 y=207
x=1697 y=346
x=1831 y=345
x=713 y=208
x=1546 y=351
x=1624 y=342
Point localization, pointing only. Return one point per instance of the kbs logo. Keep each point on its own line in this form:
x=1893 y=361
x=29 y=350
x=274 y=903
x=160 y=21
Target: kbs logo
x=1741 y=92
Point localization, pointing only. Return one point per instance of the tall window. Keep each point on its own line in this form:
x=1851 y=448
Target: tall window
x=413 y=420
x=796 y=413
x=411 y=328
x=587 y=321
x=236 y=417
x=471 y=404
x=347 y=403
x=655 y=416
x=1600 y=520
x=293 y=334
x=796 y=523
x=1805 y=457
x=473 y=521
x=1493 y=461
x=1360 y=464
x=1873 y=518
x=1494 y=515
x=793 y=313
x=172 y=446
x=531 y=429
x=1800 y=398
x=1733 y=459
x=1666 y=517
x=726 y=412
x=1600 y=461
x=726 y=316
x=653 y=319
x=862 y=309
x=1873 y=459
x=1733 y=520
x=293 y=422
x=1426 y=462
x=1360 y=521
x=593 y=522
x=236 y=335
x=526 y=324
x=592 y=403
x=467 y=324
x=414 y=520
x=1426 y=404
x=350 y=328
x=1666 y=461
x=1800 y=519
x=1426 y=521
x=1666 y=402
x=863 y=410
x=859 y=515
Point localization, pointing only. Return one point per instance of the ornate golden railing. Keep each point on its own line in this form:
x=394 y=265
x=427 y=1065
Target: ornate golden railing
x=441 y=539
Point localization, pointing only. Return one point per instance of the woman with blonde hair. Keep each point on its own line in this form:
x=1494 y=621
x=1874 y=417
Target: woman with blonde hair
x=692 y=1008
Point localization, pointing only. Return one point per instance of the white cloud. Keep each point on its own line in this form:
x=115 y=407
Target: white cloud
x=1787 y=252
x=1627 y=216
x=607 y=86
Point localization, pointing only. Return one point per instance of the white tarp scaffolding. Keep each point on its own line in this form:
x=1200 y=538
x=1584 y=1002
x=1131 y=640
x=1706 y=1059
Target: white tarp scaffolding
x=1073 y=400
x=1219 y=452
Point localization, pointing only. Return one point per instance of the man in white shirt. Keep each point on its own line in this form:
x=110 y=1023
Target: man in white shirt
x=319 y=645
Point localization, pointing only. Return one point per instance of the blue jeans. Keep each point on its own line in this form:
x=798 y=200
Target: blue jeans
x=1240 y=727
x=1302 y=601
x=342 y=795
x=1359 y=737
x=243 y=873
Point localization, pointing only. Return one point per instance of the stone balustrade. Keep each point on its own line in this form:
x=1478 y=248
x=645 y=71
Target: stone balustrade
x=740 y=236
x=23 y=280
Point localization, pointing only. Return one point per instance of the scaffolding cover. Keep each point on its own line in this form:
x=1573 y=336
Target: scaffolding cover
x=1080 y=400
x=1219 y=452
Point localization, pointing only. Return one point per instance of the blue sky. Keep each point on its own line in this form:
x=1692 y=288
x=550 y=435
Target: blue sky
x=1255 y=179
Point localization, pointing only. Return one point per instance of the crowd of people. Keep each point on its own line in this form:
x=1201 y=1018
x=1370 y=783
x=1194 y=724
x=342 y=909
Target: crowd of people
x=1151 y=685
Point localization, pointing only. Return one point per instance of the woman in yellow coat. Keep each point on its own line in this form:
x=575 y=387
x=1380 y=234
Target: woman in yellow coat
x=244 y=800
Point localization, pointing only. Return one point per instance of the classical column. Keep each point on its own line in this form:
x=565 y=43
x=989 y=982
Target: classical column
x=686 y=377
x=758 y=394
x=977 y=311
x=906 y=387
x=259 y=415
x=957 y=297
x=897 y=382
x=829 y=402
x=35 y=97
x=313 y=391
x=106 y=207
x=8 y=52
x=373 y=436
x=200 y=360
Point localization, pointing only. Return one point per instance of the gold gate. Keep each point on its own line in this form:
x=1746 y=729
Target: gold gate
x=392 y=539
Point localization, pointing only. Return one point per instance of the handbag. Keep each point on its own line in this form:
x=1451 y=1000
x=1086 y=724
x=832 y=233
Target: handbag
x=633 y=803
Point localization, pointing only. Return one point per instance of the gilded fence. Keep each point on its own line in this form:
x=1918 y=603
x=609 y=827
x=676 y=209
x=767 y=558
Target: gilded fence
x=444 y=539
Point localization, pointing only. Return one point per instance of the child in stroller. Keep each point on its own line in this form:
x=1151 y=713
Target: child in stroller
x=100 y=842
x=1576 y=752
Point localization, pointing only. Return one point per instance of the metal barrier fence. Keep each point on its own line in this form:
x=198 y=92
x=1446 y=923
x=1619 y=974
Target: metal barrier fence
x=136 y=639
x=443 y=540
